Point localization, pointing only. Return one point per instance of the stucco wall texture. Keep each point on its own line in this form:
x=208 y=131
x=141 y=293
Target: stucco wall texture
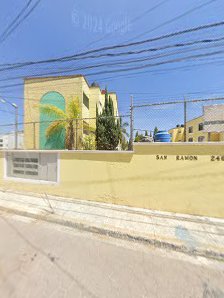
x=170 y=177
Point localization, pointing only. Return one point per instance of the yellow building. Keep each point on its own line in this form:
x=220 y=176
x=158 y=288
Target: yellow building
x=177 y=134
x=195 y=132
x=59 y=91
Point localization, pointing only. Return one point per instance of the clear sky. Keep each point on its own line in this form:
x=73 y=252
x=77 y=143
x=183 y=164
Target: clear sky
x=63 y=27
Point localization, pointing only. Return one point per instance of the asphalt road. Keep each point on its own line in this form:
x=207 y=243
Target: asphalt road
x=38 y=259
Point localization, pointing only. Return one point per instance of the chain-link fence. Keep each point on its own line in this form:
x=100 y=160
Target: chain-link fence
x=102 y=133
x=199 y=120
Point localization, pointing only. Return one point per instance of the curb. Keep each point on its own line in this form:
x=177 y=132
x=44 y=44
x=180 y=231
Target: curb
x=126 y=209
x=51 y=218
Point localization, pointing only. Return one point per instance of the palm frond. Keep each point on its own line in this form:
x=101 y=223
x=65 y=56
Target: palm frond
x=124 y=132
x=73 y=109
x=35 y=106
x=54 y=128
x=52 y=111
x=125 y=124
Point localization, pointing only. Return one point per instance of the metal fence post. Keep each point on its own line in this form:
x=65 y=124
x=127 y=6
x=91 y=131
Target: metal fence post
x=76 y=134
x=34 y=135
x=130 y=145
x=16 y=127
x=185 y=120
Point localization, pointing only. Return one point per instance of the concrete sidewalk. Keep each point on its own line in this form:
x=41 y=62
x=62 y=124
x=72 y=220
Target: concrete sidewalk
x=189 y=234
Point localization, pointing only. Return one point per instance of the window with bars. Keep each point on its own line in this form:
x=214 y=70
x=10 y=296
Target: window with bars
x=35 y=166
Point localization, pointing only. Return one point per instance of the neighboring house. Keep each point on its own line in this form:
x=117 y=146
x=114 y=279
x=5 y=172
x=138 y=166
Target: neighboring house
x=7 y=141
x=195 y=132
x=177 y=133
x=58 y=91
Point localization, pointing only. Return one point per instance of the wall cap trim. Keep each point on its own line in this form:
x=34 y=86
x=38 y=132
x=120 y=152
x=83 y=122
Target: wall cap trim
x=70 y=151
x=180 y=144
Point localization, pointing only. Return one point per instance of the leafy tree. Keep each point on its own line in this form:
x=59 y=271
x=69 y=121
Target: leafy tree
x=107 y=127
x=155 y=132
x=89 y=142
x=63 y=121
x=138 y=137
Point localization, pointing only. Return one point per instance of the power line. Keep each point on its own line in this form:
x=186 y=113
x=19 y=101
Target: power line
x=159 y=63
x=135 y=92
x=174 y=19
x=179 y=102
x=17 y=21
x=132 y=21
x=141 y=66
x=67 y=58
x=133 y=75
x=8 y=112
x=123 y=62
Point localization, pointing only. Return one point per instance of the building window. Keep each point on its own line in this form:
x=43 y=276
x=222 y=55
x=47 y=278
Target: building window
x=200 y=126
x=85 y=101
x=35 y=166
x=201 y=139
x=190 y=140
x=1 y=140
x=190 y=129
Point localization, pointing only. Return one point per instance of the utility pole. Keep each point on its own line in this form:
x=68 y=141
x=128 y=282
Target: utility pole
x=34 y=135
x=130 y=146
x=16 y=126
x=76 y=134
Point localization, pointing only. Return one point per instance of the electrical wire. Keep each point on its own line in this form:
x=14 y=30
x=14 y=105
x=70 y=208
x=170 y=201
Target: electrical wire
x=141 y=66
x=65 y=58
x=122 y=62
x=151 y=9
x=174 y=19
x=15 y=19
x=18 y=22
x=176 y=45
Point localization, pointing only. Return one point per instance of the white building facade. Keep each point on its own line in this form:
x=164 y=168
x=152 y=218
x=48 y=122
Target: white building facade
x=7 y=141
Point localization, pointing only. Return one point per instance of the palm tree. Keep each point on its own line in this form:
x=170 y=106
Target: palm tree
x=63 y=121
x=123 y=134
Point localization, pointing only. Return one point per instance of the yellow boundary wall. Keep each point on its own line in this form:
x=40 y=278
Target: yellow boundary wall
x=182 y=178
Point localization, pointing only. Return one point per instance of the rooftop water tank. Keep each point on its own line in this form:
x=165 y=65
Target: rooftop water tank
x=162 y=136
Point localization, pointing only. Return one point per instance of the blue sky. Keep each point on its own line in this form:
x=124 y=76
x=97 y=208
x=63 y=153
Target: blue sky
x=63 y=27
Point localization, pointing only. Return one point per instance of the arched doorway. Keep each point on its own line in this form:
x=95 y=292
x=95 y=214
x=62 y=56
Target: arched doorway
x=57 y=141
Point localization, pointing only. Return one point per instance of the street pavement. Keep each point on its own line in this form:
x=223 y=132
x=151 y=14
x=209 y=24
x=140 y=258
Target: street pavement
x=41 y=259
x=190 y=234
